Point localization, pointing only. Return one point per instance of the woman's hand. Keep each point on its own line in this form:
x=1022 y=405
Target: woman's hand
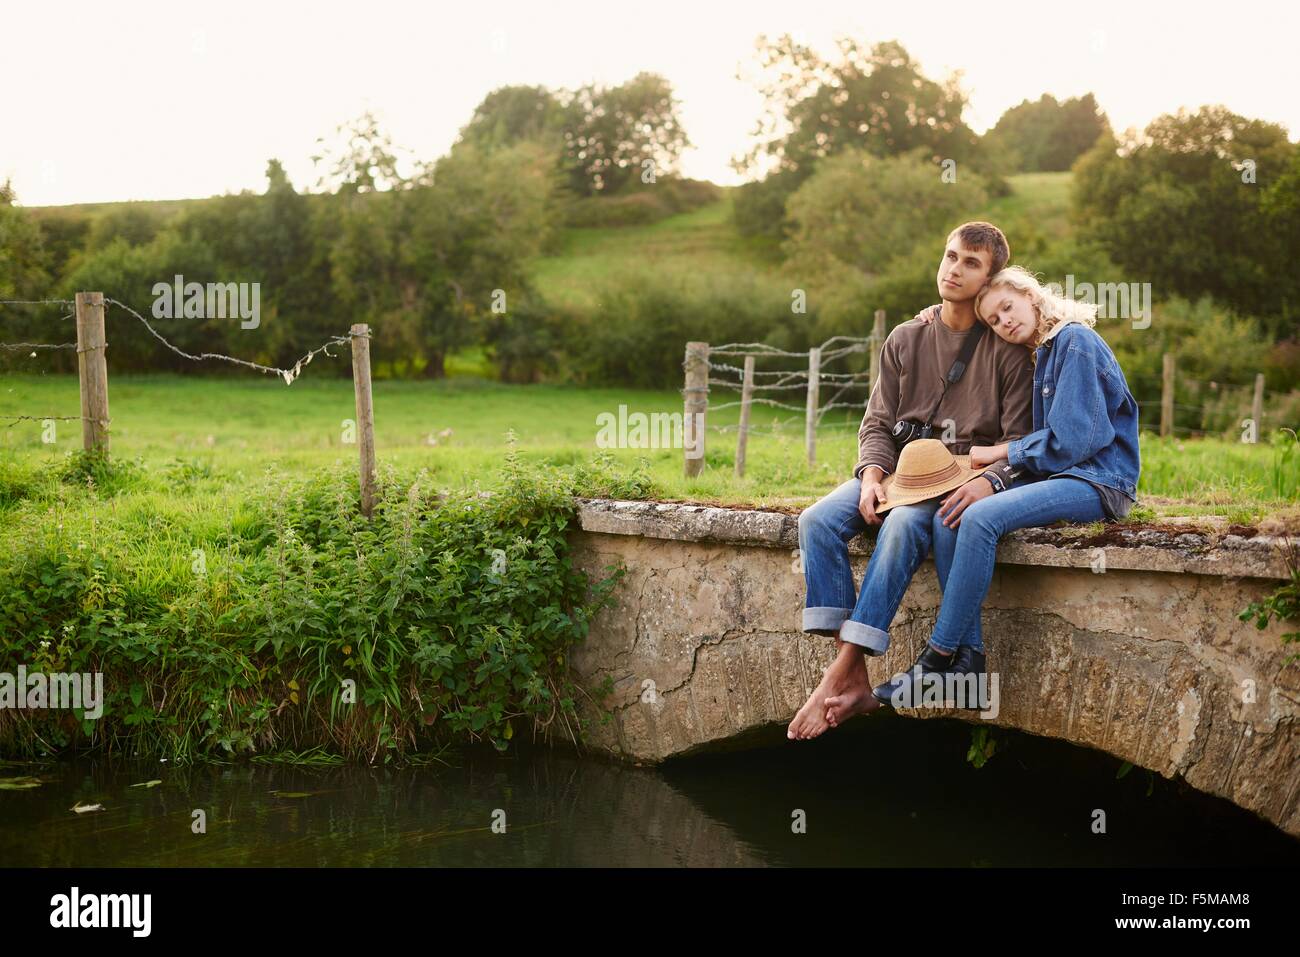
x=983 y=455
x=926 y=315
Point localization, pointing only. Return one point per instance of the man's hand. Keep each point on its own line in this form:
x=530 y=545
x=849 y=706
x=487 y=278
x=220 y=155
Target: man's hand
x=872 y=494
x=950 y=508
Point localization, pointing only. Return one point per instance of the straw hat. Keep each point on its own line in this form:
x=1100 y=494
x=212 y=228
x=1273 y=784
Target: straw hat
x=925 y=469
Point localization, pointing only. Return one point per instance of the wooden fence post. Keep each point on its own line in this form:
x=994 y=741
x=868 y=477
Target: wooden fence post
x=1167 y=397
x=746 y=400
x=696 y=395
x=1257 y=406
x=92 y=369
x=365 y=413
x=810 y=413
x=877 y=341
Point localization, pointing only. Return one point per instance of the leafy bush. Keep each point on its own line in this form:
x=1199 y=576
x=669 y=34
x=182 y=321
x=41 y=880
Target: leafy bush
x=451 y=613
x=637 y=335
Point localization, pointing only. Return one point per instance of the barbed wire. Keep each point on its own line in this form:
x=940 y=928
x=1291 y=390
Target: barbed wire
x=752 y=349
x=778 y=429
x=859 y=344
x=771 y=402
x=727 y=383
x=722 y=366
x=44 y=418
x=288 y=375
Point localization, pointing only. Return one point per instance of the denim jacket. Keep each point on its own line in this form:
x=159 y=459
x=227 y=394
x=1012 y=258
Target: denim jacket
x=1085 y=418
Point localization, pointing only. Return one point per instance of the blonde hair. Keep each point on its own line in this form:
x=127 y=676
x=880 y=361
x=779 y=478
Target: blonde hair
x=1052 y=308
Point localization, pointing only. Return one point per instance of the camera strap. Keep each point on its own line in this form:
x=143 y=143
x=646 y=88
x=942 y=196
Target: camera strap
x=959 y=365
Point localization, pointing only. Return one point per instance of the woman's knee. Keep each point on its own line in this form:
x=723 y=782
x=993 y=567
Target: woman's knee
x=986 y=515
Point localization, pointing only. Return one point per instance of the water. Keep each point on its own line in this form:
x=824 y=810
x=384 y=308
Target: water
x=889 y=792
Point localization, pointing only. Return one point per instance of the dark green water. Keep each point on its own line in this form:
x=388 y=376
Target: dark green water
x=891 y=792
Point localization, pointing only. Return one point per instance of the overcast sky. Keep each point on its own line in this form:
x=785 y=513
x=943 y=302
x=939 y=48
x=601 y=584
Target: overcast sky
x=144 y=100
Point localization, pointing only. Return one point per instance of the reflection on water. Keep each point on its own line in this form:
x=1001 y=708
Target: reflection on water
x=888 y=792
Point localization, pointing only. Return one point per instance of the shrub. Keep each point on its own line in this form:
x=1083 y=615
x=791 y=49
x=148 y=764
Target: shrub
x=452 y=614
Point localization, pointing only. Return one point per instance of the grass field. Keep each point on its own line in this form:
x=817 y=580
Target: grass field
x=705 y=241
x=226 y=433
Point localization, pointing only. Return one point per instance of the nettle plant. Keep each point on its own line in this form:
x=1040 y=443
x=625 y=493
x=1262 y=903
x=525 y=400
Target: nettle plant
x=446 y=618
x=1283 y=604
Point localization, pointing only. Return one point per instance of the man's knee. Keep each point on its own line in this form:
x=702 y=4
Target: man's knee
x=828 y=515
x=904 y=524
x=809 y=520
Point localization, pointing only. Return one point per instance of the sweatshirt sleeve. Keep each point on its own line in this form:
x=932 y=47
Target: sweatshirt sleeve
x=1077 y=427
x=875 y=434
x=1016 y=382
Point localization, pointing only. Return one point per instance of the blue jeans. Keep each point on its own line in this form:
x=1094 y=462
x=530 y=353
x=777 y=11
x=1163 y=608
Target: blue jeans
x=907 y=535
x=982 y=524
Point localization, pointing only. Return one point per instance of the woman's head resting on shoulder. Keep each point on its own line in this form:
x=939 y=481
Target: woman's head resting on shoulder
x=1024 y=312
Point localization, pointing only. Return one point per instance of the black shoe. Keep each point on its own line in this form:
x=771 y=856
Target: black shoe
x=929 y=661
x=968 y=666
x=962 y=673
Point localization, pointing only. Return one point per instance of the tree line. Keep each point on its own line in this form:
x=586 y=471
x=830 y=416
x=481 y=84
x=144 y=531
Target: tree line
x=861 y=164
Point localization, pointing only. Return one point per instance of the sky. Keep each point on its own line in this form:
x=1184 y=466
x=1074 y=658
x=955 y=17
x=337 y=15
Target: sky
x=167 y=100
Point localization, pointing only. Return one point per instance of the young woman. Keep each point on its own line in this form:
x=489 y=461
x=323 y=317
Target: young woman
x=1079 y=464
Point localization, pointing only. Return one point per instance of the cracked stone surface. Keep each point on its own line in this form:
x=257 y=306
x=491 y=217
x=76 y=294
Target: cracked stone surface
x=1127 y=642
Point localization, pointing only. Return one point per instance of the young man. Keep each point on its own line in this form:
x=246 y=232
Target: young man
x=989 y=404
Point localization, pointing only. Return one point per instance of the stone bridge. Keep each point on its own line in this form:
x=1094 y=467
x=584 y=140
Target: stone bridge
x=1126 y=641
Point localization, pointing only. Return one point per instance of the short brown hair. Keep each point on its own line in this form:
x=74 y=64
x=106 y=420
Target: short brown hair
x=986 y=236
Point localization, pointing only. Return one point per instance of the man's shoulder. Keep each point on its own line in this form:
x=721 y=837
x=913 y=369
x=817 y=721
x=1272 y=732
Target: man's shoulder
x=913 y=328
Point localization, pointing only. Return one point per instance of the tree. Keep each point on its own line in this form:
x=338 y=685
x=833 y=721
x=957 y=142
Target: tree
x=136 y=223
x=612 y=135
x=1183 y=207
x=1045 y=135
x=426 y=258
x=876 y=101
x=22 y=273
x=512 y=114
x=859 y=215
x=1280 y=206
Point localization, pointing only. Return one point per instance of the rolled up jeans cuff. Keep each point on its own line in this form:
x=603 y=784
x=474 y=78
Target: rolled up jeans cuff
x=825 y=618
x=872 y=640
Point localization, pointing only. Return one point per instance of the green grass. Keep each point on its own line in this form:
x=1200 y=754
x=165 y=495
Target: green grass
x=203 y=437
x=1040 y=198
x=702 y=241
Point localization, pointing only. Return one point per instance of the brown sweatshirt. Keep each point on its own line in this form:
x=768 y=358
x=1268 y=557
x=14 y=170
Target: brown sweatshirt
x=992 y=403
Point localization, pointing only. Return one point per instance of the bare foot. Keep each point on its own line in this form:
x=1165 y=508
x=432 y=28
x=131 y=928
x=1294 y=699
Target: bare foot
x=846 y=672
x=855 y=700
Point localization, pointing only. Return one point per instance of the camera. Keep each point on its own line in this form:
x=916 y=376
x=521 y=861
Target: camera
x=907 y=431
